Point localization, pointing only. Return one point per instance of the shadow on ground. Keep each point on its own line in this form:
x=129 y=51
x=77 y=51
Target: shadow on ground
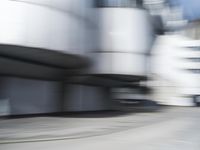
x=119 y=111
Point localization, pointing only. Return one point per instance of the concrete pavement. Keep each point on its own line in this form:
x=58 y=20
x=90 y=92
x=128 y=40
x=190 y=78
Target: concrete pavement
x=172 y=128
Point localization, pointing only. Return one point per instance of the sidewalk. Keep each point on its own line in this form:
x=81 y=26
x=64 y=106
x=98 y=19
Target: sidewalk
x=47 y=128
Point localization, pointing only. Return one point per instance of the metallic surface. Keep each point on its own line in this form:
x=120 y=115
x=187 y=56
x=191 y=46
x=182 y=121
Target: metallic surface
x=124 y=41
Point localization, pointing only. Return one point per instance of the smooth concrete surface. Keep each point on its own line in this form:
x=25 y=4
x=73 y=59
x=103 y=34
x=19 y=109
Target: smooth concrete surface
x=44 y=33
x=112 y=64
x=116 y=43
x=173 y=128
x=86 y=98
x=29 y=96
x=44 y=24
x=45 y=38
x=41 y=56
x=115 y=37
x=13 y=67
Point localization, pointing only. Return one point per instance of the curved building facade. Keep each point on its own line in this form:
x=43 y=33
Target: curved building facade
x=43 y=32
x=119 y=54
x=41 y=43
x=124 y=41
x=66 y=55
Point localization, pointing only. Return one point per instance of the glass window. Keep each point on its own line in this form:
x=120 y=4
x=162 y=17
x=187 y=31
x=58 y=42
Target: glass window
x=118 y=3
x=196 y=48
x=195 y=71
x=194 y=59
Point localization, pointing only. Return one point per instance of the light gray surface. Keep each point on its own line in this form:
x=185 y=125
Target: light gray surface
x=44 y=33
x=122 y=48
x=58 y=25
x=118 y=63
x=174 y=129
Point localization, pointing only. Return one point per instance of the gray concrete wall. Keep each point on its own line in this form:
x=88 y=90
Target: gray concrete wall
x=28 y=96
x=86 y=98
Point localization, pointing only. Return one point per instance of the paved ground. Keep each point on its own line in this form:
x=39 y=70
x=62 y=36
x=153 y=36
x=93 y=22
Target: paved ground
x=170 y=128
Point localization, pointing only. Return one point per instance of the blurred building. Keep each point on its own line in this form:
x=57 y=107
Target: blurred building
x=67 y=55
x=175 y=69
x=175 y=57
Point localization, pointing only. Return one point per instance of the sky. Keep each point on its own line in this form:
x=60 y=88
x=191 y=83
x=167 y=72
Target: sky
x=191 y=8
